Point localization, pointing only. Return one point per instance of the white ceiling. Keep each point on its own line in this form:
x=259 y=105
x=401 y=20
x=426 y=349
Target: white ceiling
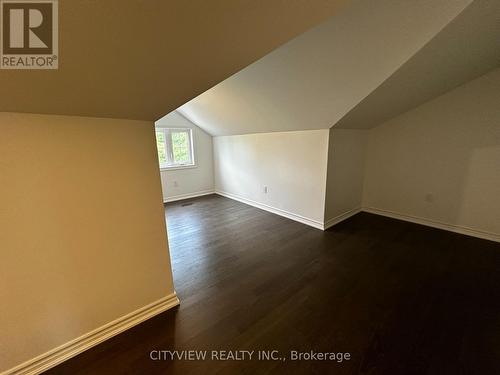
x=314 y=80
x=467 y=48
x=142 y=59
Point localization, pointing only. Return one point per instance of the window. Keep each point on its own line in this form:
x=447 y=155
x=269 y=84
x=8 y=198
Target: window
x=175 y=147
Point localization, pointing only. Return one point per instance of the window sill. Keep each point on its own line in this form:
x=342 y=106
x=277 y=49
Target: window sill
x=163 y=169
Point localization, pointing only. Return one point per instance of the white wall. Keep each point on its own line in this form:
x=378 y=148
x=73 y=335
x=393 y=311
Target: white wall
x=82 y=229
x=291 y=164
x=183 y=183
x=440 y=162
x=346 y=167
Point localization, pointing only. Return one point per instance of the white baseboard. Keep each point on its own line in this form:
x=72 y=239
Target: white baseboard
x=331 y=222
x=337 y=219
x=435 y=224
x=186 y=196
x=289 y=215
x=70 y=349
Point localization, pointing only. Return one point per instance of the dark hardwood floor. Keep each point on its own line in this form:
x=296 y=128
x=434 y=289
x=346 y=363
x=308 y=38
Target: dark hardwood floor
x=399 y=297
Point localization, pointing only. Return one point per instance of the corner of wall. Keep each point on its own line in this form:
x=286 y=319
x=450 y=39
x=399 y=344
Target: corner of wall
x=345 y=174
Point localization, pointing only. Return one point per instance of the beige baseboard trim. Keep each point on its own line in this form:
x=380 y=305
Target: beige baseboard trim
x=187 y=196
x=274 y=210
x=70 y=349
x=337 y=219
x=435 y=224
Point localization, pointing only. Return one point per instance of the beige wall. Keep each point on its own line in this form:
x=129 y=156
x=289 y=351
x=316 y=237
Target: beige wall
x=291 y=164
x=82 y=228
x=441 y=161
x=346 y=167
x=180 y=183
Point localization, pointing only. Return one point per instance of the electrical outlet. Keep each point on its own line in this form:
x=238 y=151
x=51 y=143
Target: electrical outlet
x=429 y=197
x=265 y=190
x=176 y=184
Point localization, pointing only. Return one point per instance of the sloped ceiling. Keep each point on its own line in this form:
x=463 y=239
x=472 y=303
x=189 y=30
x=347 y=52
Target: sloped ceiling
x=314 y=80
x=466 y=49
x=142 y=59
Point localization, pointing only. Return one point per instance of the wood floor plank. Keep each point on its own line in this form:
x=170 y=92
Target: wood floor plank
x=401 y=298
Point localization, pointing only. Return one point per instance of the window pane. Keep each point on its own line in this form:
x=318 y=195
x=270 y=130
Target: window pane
x=160 y=145
x=180 y=147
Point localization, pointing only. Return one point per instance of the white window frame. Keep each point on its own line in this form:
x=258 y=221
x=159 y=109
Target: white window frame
x=168 y=148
